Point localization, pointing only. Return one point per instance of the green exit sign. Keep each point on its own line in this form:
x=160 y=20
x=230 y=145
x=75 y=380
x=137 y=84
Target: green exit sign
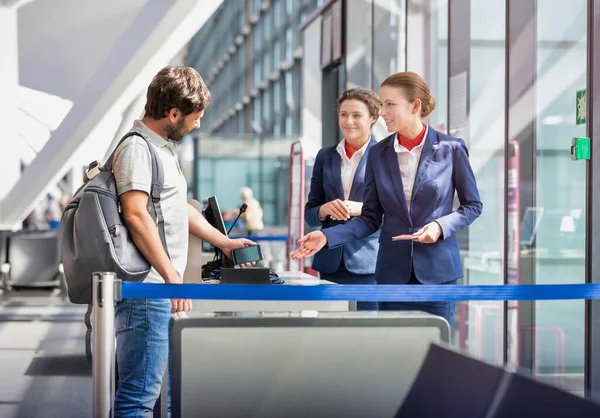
x=581 y=107
x=580 y=149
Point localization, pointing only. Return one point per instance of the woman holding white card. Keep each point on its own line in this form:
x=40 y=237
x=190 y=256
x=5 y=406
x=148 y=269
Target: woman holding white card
x=336 y=193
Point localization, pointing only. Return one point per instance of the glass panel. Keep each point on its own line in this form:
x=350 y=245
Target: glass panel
x=358 y=43
x=266 y=106
x=277 y=97
x=427 y=52
x=267 y=27
x=266 y=65
x=256 y=110
x=482 y=248
x=276 y=54
x=389 y=43
x=289 y=91
x=288 y=44
x=276 y=14
x=558 y=249
x=256 y=74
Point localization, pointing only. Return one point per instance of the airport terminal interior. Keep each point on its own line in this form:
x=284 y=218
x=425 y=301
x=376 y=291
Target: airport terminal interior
x=518 y=81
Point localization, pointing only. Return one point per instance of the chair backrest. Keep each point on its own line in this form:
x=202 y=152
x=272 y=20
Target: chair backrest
x=34 y=258
x=451 y=385
x=193 y=269
x=277 y=364
x=522 y=397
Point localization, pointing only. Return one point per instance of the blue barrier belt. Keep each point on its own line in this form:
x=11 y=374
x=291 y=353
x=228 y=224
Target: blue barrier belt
x=363 y=293
x=257 y=238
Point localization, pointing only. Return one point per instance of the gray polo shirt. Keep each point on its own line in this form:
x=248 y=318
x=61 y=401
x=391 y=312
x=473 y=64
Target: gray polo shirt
x=133 y=171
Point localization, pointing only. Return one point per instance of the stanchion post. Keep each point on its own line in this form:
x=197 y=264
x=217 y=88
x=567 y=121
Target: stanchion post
x=103 y=358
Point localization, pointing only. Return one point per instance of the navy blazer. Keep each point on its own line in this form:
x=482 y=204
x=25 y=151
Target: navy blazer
x=325 y=186
x=443 y=169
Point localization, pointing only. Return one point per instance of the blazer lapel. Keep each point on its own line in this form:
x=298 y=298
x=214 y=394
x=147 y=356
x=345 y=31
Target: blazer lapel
x=393 y=166
x=336 y=173
x=359 y=176
x=429 y=148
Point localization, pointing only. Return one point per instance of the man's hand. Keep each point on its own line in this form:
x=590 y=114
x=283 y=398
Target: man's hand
x=233 y=244
x=355 y=207
x=429 y=234
x=181 y=305
x=178 y=305
x=310 y=244
x=336 y=209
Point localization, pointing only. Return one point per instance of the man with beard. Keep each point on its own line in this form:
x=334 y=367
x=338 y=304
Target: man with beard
x=176 y=100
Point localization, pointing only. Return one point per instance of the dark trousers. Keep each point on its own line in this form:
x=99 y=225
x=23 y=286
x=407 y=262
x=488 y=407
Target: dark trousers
x=343 y=276
x=443 y=309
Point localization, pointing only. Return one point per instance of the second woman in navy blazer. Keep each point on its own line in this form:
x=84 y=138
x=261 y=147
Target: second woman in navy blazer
x=336 y=193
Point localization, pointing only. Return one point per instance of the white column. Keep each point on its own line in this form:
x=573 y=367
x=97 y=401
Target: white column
x=10 y=158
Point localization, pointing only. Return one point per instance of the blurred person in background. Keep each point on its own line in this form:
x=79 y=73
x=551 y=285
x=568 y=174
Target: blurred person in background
x=253 y=216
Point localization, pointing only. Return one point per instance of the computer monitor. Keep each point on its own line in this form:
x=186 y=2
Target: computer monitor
x=530 y=224
x=451 y=385
x=212 y=213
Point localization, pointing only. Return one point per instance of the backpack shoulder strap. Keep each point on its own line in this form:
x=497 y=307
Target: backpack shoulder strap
x=155 y=188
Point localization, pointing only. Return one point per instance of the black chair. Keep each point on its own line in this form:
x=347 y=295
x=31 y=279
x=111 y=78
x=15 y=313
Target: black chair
x=451 y=385
x=521 y=397
x=33 y=260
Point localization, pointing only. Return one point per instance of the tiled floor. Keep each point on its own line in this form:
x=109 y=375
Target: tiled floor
x=42 y=362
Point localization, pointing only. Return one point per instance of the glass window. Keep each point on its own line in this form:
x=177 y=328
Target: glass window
x=256 y=110
x=266 y=100
x=289 y=7
x=256 y=74
x=256 y=6
x=387 y=45
x=267 y=27
x=559 y=189
x=288 y=44
x=276 y=96
x=359 y=31
x=288 y=126
x=276 y=14
x=427 y=55
x=266 y=65
x=256 y=37
x=289 y=91
x=276 y=54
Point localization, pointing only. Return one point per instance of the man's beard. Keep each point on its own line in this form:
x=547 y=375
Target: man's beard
x=176 y=132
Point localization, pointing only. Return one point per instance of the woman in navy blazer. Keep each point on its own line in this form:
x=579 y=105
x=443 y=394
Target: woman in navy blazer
x=411 y=177
x=336 y=193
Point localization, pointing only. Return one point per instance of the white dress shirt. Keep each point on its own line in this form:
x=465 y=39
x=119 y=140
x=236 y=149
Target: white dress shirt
x=409 y=162
x=350 y=165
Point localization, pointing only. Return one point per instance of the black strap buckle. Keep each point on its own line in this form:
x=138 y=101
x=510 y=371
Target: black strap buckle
x=155 y=195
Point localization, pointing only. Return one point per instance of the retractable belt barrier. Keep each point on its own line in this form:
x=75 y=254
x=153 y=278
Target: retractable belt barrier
x=362 y=293
x=107 y=289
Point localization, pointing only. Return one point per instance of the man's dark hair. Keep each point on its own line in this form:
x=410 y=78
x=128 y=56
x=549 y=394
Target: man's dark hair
x=176 y=87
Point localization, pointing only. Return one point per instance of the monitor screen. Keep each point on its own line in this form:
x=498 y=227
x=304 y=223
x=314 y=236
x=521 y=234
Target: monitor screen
x=530 y=224
x=212 y=213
